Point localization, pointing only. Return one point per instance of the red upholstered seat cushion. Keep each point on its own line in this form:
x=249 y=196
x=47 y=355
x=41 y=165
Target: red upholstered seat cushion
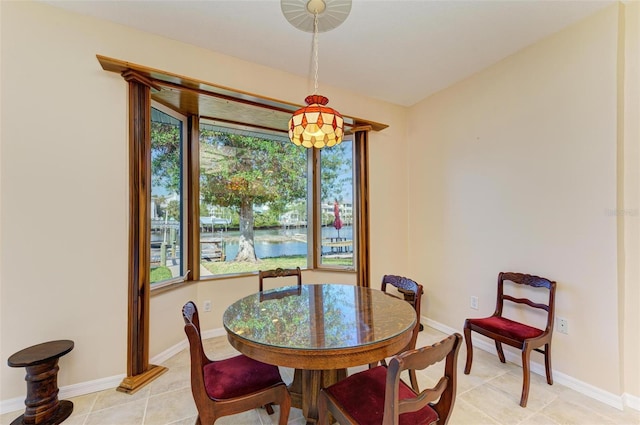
x=506 y=327
x=362 y=396
x=238 y=376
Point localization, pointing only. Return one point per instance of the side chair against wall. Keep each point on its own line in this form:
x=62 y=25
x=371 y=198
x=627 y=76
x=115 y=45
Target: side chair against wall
x=379 y=396
x=519 y=335
x=279 y=272
x=230 y=386
x=412 y=293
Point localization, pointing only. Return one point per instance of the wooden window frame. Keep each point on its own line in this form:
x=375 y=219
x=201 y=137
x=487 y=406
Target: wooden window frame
x=141 y=81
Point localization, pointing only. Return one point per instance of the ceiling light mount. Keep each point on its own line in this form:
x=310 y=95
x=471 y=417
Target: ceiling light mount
x=300 y=13
x=316 y=6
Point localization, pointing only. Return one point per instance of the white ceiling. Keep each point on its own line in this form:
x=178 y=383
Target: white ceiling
x=398 y=51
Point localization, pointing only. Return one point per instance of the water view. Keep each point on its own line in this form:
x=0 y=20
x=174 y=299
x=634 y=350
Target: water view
x=278 y=242
x=282 y=247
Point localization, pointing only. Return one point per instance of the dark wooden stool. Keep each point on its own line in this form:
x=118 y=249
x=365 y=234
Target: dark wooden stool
x=41 y=362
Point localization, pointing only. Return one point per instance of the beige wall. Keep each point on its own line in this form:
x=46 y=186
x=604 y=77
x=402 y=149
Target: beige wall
x=631 y=198
x=64 y=190
x=514 y=168
x=517 y=170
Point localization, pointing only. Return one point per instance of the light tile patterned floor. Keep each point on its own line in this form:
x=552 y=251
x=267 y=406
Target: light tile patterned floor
x=489 y=395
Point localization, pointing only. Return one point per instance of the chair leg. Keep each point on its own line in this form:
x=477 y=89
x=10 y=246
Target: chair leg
x=206 y=416
x=500 y=352
x=525 y=376
x=323 y=410
x=268 y=408
x=467 y=340
x=285 y=406
x=547 y=363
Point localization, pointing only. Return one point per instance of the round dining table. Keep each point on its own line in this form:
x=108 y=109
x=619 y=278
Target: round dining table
x=319 y=330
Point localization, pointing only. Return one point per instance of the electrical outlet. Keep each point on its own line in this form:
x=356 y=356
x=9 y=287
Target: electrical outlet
x=207 y=306
x=474 y=302
x=563 y=325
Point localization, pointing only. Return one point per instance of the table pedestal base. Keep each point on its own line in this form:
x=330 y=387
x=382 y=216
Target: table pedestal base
x=305 y=389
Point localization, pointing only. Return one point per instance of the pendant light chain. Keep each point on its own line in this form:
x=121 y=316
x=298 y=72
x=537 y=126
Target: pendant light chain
x=315 y=48
x=316 y=125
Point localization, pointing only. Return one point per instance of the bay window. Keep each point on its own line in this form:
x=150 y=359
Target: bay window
x=262 y=201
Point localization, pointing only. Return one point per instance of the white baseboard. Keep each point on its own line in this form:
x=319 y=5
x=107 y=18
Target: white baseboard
x=75 y=390
x=213 y=333
x=69 y=391
x=17 y=404
x=172 y=351
x=613 y=400
x=631 y=401
x=169 y=352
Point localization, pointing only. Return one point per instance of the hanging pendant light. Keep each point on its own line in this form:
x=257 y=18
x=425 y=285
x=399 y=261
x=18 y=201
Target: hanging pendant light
x=316 y=125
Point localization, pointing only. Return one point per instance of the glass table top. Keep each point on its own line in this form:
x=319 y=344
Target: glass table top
x=319 y=317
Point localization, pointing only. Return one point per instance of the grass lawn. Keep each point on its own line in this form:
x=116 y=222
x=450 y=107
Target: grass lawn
x=289 y=262
x=161 y=273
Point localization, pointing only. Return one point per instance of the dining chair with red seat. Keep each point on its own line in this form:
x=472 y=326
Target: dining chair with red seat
x=277 y=273
x=378 y=395
x=412 y=293
x=514 y=333
x=233 y=385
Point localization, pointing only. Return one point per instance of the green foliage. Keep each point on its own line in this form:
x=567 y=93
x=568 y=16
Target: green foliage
x=266 y=219
x=173 y=210
x=159 y=202
x=165 y=155
x=160 y=273
x=241 y=169
x=237 y=169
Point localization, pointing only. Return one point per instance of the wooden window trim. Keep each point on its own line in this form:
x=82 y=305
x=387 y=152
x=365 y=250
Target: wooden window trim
x=142 y=80
x=139 y=371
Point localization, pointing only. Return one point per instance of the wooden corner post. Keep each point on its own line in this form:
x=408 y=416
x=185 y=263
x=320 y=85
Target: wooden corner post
x=139 y=371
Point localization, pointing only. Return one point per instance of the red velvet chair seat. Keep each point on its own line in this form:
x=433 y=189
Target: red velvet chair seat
x=362 y=397
x=238 y=376
x=507 y=328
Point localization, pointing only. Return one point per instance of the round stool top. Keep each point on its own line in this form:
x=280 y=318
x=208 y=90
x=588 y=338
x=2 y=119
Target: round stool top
x=40 y=353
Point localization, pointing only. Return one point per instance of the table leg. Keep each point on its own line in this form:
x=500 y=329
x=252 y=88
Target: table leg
x=306 y=386
x=295 y=389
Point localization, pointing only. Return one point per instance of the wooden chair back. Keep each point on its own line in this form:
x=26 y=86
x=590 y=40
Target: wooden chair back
x=279 y=272
x=441 y=397
x=379 y=396
x=412 y=293
x=192 y=329
x=198 y=357
x=531 y=281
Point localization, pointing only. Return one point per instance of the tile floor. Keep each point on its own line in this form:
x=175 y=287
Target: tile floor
x=489 y=395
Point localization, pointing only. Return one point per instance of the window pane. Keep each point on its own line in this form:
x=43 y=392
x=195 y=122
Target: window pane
x=166 y=206
x=337 y=194
x=253 y=202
